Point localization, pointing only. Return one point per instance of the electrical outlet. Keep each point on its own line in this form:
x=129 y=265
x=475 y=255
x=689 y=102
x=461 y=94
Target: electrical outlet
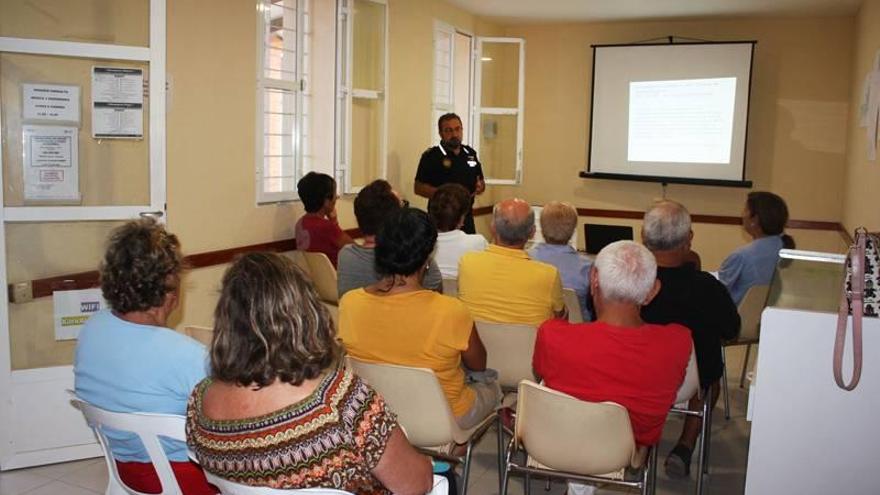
x=22 y=292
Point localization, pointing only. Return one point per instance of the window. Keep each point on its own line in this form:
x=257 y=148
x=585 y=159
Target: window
x=484 y=86
x=361 y=81
x=283 y=97
x=453 y=77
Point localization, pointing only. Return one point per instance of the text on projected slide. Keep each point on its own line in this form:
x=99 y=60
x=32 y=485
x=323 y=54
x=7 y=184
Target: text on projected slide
x=684 y=121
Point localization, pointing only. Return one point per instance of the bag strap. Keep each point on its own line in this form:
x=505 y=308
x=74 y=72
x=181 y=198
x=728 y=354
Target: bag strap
x=856 y=304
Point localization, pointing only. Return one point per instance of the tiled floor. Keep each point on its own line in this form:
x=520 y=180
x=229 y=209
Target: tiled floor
x=726 y=475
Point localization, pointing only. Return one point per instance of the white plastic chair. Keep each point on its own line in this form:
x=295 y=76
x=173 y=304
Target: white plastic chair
x=750 y=309
x=422 y=409
x=690 y=388
x=564 y=437
x=441 y=487
x=509 y=350
x=450 y=287
x=573 y=304
x=149 y=427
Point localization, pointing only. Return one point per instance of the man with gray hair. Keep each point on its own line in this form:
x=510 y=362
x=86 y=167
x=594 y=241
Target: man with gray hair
x=619 y=357
x=502 y=284
x=691 y=298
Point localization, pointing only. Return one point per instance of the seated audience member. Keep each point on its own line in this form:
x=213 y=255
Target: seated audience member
x=691 y=298
x=128 y=361
x=558 y=221
x=373 y=204
x=619 y=357
x=278 y=409
x=764 y=219
x=448 y=207
x=502 y=284
x=397 y=321
x=318 y=230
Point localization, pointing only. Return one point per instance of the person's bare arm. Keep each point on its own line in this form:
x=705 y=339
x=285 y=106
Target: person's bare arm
x=480 y=186
x=343 y=238
x=402 y=469
x=474 y=357
x=424 y=190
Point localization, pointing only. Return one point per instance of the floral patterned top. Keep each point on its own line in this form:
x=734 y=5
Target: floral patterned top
x=332 y=439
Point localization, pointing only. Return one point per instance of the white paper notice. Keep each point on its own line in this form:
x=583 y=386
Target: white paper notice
x=117 y=102
x=51 y=165
x=72 y=308
x=50 y=102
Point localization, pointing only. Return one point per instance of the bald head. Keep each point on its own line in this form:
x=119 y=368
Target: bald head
x=667 y=226
x=513 y=223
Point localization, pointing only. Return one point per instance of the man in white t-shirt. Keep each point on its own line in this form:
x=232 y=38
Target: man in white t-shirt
x=448 y=208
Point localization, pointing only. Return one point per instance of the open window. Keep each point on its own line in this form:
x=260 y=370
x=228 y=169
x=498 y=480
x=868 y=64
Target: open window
x=361 y=82
x=282 y=99
x=498 y=108
x=453 y=76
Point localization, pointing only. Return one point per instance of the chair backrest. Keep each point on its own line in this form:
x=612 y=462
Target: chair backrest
x=415 y=395
x=573 y=304
x=450 y=287
x=149 y=427
x=567 y=434
x=232 y=488
x=750 y=309
x=300 y=260
x=509 y=349
x=323 y=276
x=202 y=334
x=691 y=384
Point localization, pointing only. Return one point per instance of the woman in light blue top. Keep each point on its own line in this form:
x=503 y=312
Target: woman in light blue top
x=764 y=219
x=558 y=221
x=128 y=361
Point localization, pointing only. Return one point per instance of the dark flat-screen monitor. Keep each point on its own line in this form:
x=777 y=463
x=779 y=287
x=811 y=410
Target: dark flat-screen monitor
x=598 y=236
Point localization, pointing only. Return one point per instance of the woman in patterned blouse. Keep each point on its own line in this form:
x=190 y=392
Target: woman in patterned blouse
x=277 y=409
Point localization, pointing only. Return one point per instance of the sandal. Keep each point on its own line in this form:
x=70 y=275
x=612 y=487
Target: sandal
x=678 y=462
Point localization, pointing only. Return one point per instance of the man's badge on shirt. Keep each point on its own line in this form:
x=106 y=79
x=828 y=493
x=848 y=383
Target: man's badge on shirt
x=447 y=163
x=472 y=161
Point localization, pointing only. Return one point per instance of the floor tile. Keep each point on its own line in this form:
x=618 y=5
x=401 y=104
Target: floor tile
x=21 y=481
x=92 y=477
x=55 y=471
x=61 y=488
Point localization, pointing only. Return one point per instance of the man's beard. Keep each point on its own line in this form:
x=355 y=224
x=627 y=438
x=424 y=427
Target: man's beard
x=451 y=143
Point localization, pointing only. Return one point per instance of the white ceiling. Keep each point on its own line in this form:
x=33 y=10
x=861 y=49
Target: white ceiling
x=616 y=10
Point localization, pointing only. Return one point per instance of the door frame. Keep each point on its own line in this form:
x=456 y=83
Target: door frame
x=47 y=387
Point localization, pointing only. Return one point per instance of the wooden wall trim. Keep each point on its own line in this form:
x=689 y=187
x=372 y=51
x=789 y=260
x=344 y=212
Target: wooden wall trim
x=25 y=291
x=696 y=218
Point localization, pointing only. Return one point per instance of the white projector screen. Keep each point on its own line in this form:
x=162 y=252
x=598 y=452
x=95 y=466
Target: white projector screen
x=673 y=112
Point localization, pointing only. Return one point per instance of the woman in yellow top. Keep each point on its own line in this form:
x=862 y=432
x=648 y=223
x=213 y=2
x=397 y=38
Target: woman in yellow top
x=398 y=321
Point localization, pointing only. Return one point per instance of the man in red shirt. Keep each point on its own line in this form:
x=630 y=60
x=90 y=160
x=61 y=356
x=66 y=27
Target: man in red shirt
x=618 y=358
x=318 y=230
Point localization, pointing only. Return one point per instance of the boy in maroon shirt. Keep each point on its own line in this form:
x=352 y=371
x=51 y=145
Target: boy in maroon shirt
x=318 y=230
x=618 y=358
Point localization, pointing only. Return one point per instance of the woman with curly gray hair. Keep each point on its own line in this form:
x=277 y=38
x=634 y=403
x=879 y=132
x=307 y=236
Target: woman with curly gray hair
x=128 y=361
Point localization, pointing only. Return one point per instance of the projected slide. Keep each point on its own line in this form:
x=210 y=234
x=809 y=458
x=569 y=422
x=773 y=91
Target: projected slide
x=681 y=121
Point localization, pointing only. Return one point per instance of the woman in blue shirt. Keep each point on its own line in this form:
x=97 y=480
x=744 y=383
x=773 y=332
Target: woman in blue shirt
x=127 y=360
x=764 y=219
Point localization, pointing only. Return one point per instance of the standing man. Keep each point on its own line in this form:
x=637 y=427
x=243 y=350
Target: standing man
x=450 y=161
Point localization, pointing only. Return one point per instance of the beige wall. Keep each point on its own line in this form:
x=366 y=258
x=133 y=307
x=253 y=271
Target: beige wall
x=799 y=103
x=863 y=176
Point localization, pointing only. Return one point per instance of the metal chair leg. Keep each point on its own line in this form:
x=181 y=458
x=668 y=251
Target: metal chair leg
x=466 y=469
x=527 y=487
x=742 y=376
x=500 y=425
x=653 y=466
x=724 y=382
x=506 y=478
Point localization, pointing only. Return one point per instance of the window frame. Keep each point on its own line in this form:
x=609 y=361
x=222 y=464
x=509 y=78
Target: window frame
x=519 y=111
x=345 y=92
x=298 y=89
